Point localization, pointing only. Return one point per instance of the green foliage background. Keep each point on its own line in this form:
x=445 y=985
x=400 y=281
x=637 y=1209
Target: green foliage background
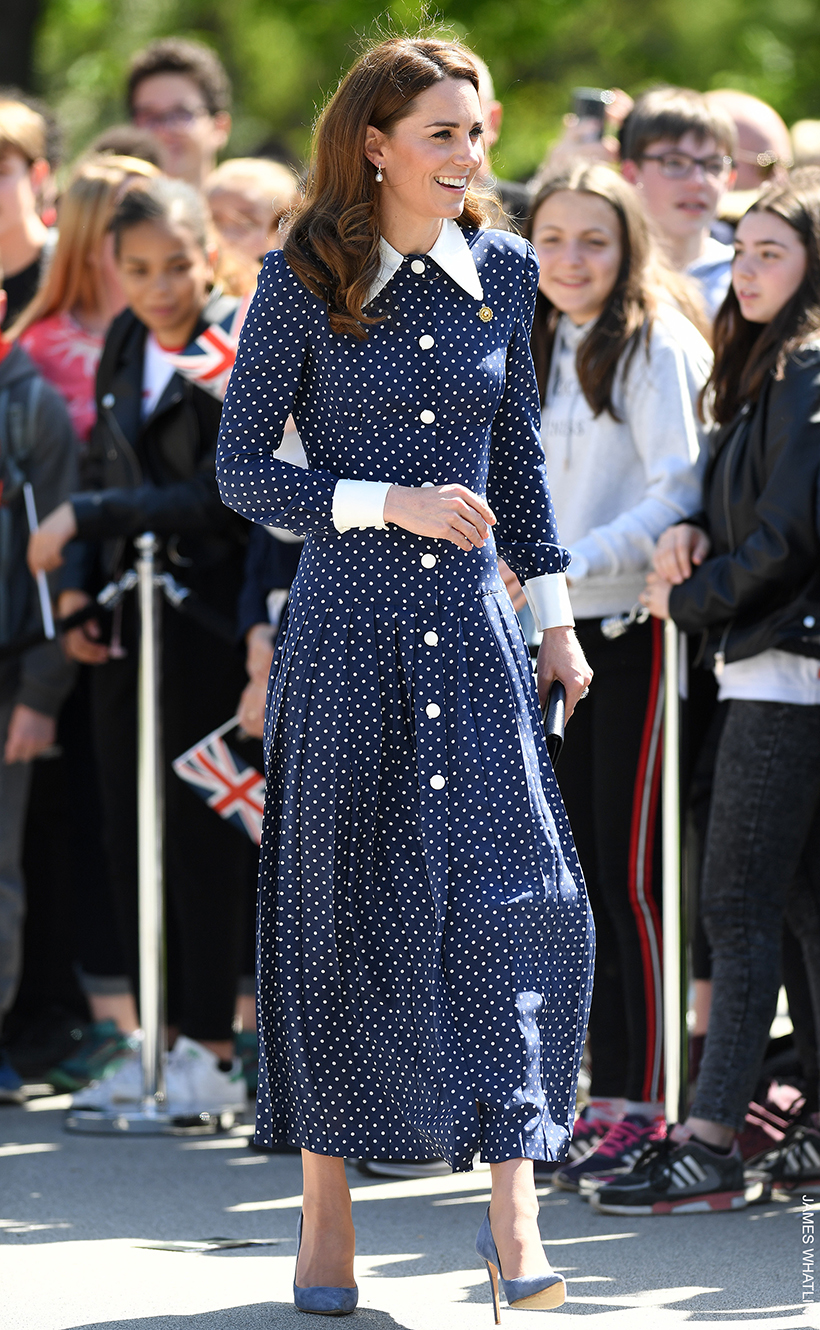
x=285 y=56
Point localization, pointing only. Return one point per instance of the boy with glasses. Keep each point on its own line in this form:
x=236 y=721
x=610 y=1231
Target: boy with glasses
x=179 y=91
x=677 y=149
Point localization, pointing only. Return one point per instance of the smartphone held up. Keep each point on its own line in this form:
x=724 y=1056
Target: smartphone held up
x=589 y=106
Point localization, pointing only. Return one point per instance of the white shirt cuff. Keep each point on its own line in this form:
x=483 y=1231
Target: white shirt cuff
x=359 y=503
x=548 y=598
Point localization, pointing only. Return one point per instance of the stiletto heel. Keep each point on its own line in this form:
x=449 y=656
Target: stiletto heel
x=492 y=1271
x=537 y=1293
x=322 y=1299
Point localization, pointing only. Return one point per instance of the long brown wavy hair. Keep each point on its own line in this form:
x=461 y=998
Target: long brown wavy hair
x=643 y=279
x=746 y=353
x=332 y=243
x=74 y=281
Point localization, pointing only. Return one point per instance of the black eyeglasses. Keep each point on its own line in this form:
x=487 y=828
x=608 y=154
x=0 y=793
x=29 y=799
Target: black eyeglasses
x=680 y=165
x=179 y=117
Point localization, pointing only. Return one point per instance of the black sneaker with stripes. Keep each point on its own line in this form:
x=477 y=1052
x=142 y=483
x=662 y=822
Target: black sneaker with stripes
x=676 y=1177
x=794 y=1162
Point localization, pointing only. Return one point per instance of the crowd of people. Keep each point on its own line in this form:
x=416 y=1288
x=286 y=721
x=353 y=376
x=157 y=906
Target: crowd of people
x=676 y=342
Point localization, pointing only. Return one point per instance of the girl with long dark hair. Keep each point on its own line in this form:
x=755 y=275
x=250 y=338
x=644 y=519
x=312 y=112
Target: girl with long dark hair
x=619 y=367
x=744 y=576
x=425 y=944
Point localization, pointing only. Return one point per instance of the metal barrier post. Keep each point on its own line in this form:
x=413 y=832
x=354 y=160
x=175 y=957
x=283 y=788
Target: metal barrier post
x=151 y=826
x=152 y=1117
x=674 y=936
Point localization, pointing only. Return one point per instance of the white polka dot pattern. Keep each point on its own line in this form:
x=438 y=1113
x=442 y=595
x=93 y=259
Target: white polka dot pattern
x=425 y=943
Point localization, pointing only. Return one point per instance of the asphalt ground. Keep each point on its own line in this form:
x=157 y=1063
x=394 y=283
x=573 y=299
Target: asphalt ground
x=74 y=1210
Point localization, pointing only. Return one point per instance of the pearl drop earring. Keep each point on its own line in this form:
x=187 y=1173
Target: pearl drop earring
x=379 y=175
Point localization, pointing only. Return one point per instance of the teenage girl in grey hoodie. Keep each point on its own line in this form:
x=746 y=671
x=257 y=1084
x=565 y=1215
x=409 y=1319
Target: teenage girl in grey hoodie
x=620 y=367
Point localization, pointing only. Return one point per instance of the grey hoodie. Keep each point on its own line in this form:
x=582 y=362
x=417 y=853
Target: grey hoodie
x=38 y=446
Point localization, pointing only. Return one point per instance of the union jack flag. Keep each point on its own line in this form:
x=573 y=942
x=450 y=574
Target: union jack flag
x=233 y=789
x=208 y=360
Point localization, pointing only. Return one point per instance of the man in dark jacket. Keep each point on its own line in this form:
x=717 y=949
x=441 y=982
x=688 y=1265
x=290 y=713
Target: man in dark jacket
x=36 y=447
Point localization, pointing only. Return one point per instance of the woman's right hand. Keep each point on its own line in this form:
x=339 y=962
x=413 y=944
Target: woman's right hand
x=678 y=549
x=443 y=512
x=80 y=643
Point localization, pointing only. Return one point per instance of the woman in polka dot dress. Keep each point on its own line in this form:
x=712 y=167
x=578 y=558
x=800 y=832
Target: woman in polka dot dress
x=425 y=942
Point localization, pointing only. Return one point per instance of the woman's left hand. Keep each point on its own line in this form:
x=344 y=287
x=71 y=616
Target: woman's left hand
x=560 y=657
x=655 y=596
x=45 y=546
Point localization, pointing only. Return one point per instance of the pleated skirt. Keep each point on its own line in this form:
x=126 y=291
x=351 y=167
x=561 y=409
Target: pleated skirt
x=425 y=945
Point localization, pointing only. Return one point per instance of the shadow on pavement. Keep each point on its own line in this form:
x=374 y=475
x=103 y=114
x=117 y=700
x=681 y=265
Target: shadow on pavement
x=232 y=1318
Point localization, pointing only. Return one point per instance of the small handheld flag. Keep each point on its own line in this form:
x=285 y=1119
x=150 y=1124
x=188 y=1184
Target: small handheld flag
x=228 y=785
x=208 y=360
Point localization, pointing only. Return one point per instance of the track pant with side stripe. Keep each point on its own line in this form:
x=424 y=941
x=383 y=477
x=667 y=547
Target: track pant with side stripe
x=610 y=776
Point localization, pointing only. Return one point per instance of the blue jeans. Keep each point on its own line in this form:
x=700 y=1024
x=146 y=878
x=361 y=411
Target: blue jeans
x=14 y=787
x=759 y=865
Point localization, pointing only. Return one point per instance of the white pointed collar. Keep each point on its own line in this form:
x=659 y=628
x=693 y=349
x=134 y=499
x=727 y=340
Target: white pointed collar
x=450 y=252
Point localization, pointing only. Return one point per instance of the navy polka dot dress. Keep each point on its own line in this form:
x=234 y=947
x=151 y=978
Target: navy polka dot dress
x=425 y=942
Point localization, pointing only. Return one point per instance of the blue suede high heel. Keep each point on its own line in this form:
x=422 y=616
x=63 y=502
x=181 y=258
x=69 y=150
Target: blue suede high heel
x=322 y=1300
x=540 y=1292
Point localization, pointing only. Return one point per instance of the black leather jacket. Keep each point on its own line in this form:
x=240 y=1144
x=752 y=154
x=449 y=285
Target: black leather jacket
x=153 y=475
x=760 y=586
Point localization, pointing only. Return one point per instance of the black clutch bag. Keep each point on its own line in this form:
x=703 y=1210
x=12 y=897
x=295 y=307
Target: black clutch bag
x=554 y=716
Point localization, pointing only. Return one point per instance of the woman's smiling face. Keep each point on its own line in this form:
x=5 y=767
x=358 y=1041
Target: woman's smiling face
x=577 y=238
x=430 y=157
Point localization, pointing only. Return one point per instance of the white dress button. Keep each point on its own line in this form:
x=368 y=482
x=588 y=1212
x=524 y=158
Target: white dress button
x=428 y=560
x=427 y=417
x=438 y=782
x=431 y=639
x=433 y=710
x=426 y=342
x=108 y=401
x=417 y=266
x=427 y=485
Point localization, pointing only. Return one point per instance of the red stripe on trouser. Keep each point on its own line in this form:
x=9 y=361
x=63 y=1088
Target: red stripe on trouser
x=641 y=858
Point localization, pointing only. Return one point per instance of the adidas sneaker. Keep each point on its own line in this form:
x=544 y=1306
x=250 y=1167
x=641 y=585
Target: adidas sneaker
x=675 y=1177
x=617 y=1151
x=794 y=1162
x=195 y=1082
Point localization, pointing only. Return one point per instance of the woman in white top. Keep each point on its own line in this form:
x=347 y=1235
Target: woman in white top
x=619 y=368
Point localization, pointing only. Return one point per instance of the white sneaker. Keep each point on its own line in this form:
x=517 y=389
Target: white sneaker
x=121 y=1085
x=195 y=1084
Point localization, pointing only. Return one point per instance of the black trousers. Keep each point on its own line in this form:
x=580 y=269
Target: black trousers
x=761 y=864
x=609 y=774
x=208 y=862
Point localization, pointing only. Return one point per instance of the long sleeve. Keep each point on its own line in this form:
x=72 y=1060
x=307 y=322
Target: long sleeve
x=188 y=506
x=780 y=554
x=263 y=390
x=658 y=407
x=517 y=491
x=45 y=674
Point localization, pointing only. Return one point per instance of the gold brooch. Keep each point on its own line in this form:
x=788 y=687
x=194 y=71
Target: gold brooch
x=485 y=314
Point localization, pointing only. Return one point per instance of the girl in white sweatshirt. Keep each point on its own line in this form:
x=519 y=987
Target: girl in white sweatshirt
x=620 y=367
